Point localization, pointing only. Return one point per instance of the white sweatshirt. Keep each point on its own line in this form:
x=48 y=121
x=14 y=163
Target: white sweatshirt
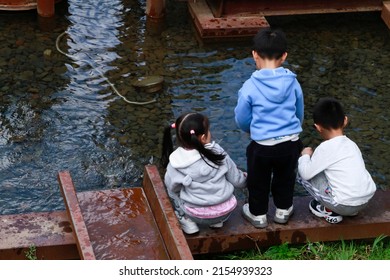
x=342 y=162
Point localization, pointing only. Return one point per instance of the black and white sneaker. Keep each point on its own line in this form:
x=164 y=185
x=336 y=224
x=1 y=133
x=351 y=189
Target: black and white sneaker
x=320 y=211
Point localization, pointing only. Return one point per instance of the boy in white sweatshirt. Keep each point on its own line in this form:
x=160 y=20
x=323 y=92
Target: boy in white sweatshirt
x=335 y=173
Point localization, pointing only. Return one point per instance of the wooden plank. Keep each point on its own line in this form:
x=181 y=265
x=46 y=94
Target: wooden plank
x=74 y=212
x=163 y=212
x=386 y=13
x=239 y=234
x=121 y=225
x=49 y=232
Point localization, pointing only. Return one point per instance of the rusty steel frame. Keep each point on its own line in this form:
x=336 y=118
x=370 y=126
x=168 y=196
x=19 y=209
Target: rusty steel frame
x=237 y=19
x=225 y=8
x=386 y=13
x=209 y=27
x=50 y=233
x=238 y=234
x=62 y=235
x=104 y=224
x=20 y=5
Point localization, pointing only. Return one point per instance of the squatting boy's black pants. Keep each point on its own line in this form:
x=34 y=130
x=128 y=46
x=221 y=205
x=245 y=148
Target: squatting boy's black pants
x=271 y=168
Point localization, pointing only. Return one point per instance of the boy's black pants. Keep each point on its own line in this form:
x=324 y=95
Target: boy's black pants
x=271 y=168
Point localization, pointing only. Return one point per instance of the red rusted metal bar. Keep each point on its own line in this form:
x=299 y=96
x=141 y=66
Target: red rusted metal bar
x=210 y=27
x=17 y=5
x=386 y=13
x=231 y=19
x=21 y=5
x=74 y=212
x=45 y=8
x=49 y=232
x=163 y=213
x=238 y=234
x=155 y=8
x=292 y=7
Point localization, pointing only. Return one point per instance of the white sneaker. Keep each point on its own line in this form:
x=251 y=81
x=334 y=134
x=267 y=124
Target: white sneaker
x=282 y=215
x=187 y=225
x=320 y=211
x=217 y=225
x=257 y=221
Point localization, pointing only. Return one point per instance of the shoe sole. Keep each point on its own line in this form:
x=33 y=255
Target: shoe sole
x=215 y=227
x=191 y=231
x=254 y=223
x=283 y=221
x=333 y=220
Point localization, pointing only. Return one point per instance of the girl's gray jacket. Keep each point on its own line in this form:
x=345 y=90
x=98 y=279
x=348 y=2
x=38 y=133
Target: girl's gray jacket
x=191 y=180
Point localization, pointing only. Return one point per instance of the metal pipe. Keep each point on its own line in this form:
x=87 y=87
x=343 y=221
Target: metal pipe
x=155 y=8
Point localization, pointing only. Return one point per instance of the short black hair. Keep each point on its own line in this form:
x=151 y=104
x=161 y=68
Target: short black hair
x=270 y=43
x=329 y=113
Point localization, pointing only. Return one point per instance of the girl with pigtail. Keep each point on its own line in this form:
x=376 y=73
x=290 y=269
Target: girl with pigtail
x=200 y=176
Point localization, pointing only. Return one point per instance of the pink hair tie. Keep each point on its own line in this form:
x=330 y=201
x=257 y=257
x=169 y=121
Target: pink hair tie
x=173 y=125
x=192 y=131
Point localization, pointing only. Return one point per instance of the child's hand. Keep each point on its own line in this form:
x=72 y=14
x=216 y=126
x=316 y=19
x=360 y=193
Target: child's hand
x=307 y=151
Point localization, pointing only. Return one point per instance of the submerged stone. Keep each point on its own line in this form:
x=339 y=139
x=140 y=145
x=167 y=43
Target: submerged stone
x=149 y=83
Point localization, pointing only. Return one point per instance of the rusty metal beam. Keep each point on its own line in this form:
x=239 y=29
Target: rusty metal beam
x=49 y=232
x=235 y=19
x=165 y=217
x=238 y=234
x=155 y=8
x=20 y=5
x=209 y=27
x=386 y=13
x=292 y=7
x=57 y=252
x=74 y=212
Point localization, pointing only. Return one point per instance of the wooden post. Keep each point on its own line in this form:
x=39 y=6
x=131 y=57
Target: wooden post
x=155 y=8
x=45 y=8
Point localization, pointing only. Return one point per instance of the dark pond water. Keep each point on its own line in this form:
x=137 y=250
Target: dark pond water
x=58 y=112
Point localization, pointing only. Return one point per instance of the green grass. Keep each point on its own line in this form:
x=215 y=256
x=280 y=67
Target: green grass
x=31 y=253
x=378 y=249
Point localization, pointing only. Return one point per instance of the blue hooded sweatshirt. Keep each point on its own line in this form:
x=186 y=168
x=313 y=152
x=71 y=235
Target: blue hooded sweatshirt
x=270 y=104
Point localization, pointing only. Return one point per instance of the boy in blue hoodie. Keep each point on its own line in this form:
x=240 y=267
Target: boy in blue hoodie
x=270 y=108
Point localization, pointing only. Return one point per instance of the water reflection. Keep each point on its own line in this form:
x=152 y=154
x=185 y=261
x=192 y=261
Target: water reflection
x=57 y=112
